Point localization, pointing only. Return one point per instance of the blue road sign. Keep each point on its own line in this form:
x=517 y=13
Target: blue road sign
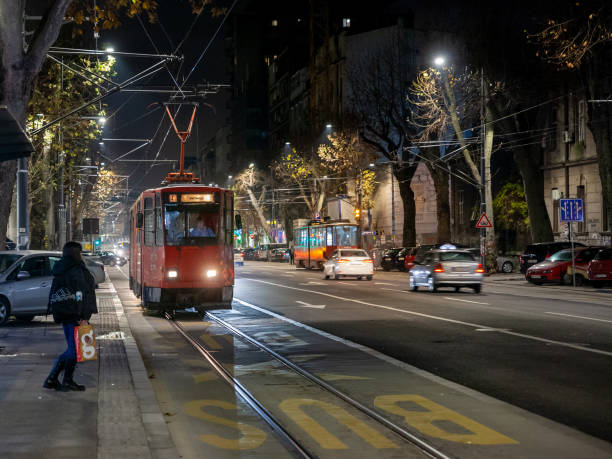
x=571 y=210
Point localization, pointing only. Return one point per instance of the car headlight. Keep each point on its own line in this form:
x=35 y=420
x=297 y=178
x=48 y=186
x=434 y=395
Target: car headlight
x=172 y=273
x=211 y=273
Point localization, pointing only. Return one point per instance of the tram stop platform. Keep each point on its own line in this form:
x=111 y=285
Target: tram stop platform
x=117 y=415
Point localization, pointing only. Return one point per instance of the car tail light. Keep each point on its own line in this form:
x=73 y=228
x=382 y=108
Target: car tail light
x=343 y=260
x=480 y=269
x=439 y=268
x=367 y=261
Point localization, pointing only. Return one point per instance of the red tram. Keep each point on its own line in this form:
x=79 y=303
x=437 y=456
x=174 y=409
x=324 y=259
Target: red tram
x=315 y=243
x=181 y=247
x=181 y=239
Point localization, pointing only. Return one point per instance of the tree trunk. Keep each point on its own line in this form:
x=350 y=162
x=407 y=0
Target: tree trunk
x=440 y=179
x=528 y=161
x=404 y=175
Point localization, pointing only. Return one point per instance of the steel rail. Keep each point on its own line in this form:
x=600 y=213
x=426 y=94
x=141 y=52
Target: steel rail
x=285 y=436
x=424 y=446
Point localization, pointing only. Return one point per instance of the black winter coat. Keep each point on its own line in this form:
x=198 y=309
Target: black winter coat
x=70 y=276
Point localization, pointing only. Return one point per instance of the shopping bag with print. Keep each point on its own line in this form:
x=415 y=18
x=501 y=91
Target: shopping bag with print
x=85 y=342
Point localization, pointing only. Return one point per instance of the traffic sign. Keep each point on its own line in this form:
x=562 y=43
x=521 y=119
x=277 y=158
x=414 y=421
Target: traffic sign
x=484 y=222
x=571 y=210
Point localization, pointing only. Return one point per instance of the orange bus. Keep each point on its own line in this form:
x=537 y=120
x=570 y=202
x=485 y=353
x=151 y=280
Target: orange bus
x=315 y=243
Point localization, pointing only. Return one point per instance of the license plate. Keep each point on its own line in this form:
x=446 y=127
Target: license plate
x=536 y=277
x=387 y=258
x=531 y=261
x=460 y=270
x=601 y=275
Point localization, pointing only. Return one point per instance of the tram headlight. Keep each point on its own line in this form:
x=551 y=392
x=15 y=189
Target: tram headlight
x=172 y=273
x=211 y=273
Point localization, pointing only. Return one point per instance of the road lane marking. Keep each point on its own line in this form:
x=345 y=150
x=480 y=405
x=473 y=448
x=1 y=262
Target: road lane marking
x=312 y=283
x=383 y=283
x=292 y=407
x=395 y=290
x=308 y=305
x=442 y=319
x=578 y=317
x=427 y=420
x=251 y=437
x=464 y=301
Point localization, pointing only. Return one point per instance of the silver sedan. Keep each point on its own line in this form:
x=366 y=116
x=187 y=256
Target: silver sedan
x=447 y=268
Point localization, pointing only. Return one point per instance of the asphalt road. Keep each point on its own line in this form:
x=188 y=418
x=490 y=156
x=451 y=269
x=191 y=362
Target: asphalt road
x=545 y=349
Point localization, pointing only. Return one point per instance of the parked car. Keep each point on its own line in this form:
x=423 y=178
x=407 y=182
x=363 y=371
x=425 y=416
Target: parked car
x=279 y=254
x=264 y=251
x=504 y=263
x=238 y=257
x=390 y=260
x=599 y=270
x=96 y=268
x=349 y=262
x=554 y=268
x=447 y=268
x=535 y=253
x=249 y=253
x=410 y=257
x=25 y=281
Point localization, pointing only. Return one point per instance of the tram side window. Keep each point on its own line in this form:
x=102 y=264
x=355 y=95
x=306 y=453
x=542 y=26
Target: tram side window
x=330 y=235
x=149 y=226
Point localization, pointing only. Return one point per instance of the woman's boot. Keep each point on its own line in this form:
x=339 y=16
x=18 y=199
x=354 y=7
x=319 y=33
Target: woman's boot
x=52 y=381
x=69 y=383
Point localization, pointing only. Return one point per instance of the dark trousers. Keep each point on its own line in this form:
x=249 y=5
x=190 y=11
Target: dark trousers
x=69 y=354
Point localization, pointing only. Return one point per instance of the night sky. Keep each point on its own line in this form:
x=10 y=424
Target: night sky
x=175 y=17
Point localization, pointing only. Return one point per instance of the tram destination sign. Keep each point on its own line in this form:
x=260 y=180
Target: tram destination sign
x=571 y=210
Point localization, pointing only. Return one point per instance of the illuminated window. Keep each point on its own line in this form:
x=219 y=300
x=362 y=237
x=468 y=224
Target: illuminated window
x=346 y=22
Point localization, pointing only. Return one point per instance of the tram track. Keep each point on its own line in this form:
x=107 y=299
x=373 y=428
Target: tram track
x=293 y=444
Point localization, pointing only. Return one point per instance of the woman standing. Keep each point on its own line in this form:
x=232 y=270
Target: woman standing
x=72 y=300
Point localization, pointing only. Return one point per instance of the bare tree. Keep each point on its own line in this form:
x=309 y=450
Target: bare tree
x=249 y=181
x=379 y=80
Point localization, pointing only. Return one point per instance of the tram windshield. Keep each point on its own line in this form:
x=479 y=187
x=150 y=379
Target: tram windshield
x=346 y=236
x=191 y=224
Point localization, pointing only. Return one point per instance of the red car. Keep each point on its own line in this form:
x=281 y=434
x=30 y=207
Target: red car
x=599 y=270
x=553 y=269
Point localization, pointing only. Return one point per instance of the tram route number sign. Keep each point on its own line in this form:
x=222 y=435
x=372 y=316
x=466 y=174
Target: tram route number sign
x=571 y=210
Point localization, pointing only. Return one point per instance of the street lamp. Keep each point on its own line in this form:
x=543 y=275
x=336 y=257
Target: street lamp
x=371 y=164
x=287 y=144
x=328 y=126
x=251 y=166
x=439 y=61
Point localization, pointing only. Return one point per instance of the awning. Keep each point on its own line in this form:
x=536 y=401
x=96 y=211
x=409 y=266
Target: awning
x=14 y=143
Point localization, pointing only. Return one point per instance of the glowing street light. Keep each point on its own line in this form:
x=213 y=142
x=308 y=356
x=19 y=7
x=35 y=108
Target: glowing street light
x=101 y=120
x=371 y=164
x=287 y=144
x=229 y=177
x=110 y=50
x=439 y=61
x=328 y=126
x=251 y=166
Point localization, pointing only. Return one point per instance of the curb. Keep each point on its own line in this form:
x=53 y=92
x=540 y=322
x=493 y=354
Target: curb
x=158 y=436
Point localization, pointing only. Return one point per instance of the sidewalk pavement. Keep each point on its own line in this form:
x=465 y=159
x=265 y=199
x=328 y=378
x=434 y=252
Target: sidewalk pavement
x=117 y=416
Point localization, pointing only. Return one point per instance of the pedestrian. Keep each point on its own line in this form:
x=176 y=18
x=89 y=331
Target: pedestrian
x=292 y=253
x=72 y=300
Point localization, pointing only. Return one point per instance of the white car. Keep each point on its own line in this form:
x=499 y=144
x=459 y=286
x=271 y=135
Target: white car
x=96 y=268
x=349 y=262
